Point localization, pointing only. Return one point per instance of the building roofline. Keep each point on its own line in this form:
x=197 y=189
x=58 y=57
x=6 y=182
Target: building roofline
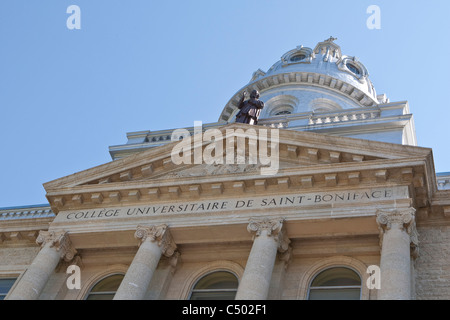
x=25 y=207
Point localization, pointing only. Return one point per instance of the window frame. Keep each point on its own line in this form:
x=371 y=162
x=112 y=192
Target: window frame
x=89 y=292
x=360 y=287
x=193 y=290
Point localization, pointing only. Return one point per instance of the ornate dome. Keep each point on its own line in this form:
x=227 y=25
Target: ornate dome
x=305 y=79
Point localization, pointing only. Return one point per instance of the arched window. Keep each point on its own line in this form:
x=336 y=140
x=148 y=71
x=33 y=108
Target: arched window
x=324 y=105
x=106 y=288
x=337 y=283
x=279 y=105
x=219 y=285
x=279 y=113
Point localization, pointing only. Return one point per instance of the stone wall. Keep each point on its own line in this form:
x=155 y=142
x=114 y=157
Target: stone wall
x=432 y=267
x=17 y=258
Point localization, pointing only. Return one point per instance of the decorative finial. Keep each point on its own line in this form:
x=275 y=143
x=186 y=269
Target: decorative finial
x=330 y=39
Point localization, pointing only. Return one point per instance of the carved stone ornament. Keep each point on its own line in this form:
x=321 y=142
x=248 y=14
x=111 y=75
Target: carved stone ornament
x=405 y=220
x=214 y=169
x=274 y=228
x=286 y=256
x=159 y=234
x=60 y=241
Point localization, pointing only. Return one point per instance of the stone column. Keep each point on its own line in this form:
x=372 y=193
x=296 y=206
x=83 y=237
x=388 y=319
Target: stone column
x=398 y=238
x=162 y=277
x=155 y=241
x=55 y=245
x=268 y=238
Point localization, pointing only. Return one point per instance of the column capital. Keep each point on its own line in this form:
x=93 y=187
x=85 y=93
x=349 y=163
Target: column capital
x=159 y=234
x=273 y=228
x=404 y=220
x=60 y=241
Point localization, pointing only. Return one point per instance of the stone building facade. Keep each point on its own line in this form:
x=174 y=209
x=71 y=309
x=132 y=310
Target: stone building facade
x=328 y=197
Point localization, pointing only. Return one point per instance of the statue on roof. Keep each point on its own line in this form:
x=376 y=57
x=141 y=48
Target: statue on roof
x=250 y=109
x=330 y=39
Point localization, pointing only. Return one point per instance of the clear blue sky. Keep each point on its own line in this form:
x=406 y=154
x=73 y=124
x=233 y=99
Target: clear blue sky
x=67 y=95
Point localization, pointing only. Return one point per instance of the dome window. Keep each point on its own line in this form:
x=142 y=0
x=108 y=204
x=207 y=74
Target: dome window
x=281 y=109
x=321 y=105
x=353 y=69
x=352 y=66
x=298 y=57
x=279 y=113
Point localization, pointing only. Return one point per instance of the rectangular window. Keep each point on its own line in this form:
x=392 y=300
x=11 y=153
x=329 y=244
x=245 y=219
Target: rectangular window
x=5 y=285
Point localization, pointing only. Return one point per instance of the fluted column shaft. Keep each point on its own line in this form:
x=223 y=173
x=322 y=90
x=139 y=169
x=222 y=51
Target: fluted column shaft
x=398 y=235
x=268 y=238
x=54 y=246
x=155 y=241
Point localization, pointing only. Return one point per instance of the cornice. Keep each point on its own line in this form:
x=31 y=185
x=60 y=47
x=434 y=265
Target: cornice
x=160 y=156
x=300 y=170
x=26 y=212
x=21 y=225
x=288 y=181
x=299 y=78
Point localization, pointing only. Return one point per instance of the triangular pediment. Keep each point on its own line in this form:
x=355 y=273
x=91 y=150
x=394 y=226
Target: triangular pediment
x=302 y=159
